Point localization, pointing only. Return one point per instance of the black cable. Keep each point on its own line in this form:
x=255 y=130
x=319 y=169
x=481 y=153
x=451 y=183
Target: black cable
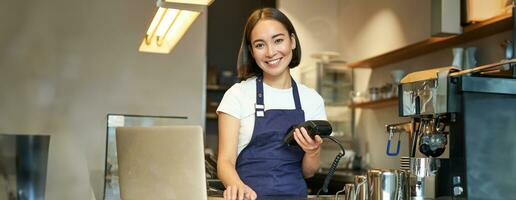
x=334 y=165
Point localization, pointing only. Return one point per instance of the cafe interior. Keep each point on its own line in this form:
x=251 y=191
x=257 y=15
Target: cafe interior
x=420 y=96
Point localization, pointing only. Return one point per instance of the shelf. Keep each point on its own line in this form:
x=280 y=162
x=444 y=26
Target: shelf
x=336 y=85
x=471 y=32
x=376 y=104
x=211 y=115
x=217 y=87
x=331 y=104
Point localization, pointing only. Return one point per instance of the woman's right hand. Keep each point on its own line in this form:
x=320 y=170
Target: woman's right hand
x=239 y=192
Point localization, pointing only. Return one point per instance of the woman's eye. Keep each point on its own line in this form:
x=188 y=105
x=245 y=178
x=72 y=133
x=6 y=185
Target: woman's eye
x=258 y=46
x=278 y=41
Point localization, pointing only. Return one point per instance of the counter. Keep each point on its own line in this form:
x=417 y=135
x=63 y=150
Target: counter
x=309 y=197
x=337 y=182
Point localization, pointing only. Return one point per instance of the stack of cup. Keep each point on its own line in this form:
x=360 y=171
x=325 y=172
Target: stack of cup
x=464 y=58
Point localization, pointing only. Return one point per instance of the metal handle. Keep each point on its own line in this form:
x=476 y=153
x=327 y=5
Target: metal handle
x=387 y=151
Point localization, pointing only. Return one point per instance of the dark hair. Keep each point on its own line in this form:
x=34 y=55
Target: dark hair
x=246 y=65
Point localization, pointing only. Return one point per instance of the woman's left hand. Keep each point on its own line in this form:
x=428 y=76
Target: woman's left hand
x=309 y=145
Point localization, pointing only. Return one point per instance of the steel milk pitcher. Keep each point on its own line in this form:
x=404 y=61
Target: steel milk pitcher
x=387 y=184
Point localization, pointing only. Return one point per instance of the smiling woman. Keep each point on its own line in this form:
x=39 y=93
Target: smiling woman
x=253 y=160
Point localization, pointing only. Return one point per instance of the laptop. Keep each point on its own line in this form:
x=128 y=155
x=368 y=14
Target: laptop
x=163 y=163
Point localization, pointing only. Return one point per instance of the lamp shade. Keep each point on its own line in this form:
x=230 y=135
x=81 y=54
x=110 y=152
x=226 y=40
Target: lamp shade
x=170 y=23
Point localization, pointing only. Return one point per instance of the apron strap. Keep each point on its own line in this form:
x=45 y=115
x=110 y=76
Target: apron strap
x=295 y=93
x=259 y=106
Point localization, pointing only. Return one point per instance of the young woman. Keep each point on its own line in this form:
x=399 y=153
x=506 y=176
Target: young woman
x=255 y=115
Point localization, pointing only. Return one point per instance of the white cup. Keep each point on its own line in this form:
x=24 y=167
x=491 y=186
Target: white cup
x=469 y=58
x=397 y=75
x=458 y=54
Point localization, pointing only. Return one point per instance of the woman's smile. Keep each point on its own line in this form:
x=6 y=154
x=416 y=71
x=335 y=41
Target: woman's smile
x=273 y=63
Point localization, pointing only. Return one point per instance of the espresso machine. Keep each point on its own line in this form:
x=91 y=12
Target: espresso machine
x=462 y=132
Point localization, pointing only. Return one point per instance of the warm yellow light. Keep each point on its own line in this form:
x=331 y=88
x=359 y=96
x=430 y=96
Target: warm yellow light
x=166 y=29
x=198 y=2
x=165 y=24
x=170 y=23
x=154 y=24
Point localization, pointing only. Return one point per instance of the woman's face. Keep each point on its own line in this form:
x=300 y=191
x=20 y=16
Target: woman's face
x=272 y=47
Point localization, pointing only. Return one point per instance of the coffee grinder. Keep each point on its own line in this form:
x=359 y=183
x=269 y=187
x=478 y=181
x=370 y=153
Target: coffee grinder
x=472 y=114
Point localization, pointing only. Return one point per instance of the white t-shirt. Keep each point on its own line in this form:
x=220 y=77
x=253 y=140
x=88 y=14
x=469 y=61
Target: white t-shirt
x=239 y=101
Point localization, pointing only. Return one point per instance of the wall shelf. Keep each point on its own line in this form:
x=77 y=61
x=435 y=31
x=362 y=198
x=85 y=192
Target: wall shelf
x=211 y=116
x=376 y=104
x=211 y=105
x=471 y=32
x=217 y=87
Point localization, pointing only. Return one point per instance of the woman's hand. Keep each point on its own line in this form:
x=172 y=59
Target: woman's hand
x=309 y=145
x=239 y=192
x=312 y=148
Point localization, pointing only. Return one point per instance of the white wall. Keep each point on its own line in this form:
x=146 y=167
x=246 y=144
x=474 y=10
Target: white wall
x=316 y=23
x=65 y=64
x=369 y=27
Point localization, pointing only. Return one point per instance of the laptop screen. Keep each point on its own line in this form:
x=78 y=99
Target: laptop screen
x=161 y=162
x=111 y=180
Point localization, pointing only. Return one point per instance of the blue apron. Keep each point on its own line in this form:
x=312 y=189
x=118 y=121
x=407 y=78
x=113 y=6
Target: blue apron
x=267 y=164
